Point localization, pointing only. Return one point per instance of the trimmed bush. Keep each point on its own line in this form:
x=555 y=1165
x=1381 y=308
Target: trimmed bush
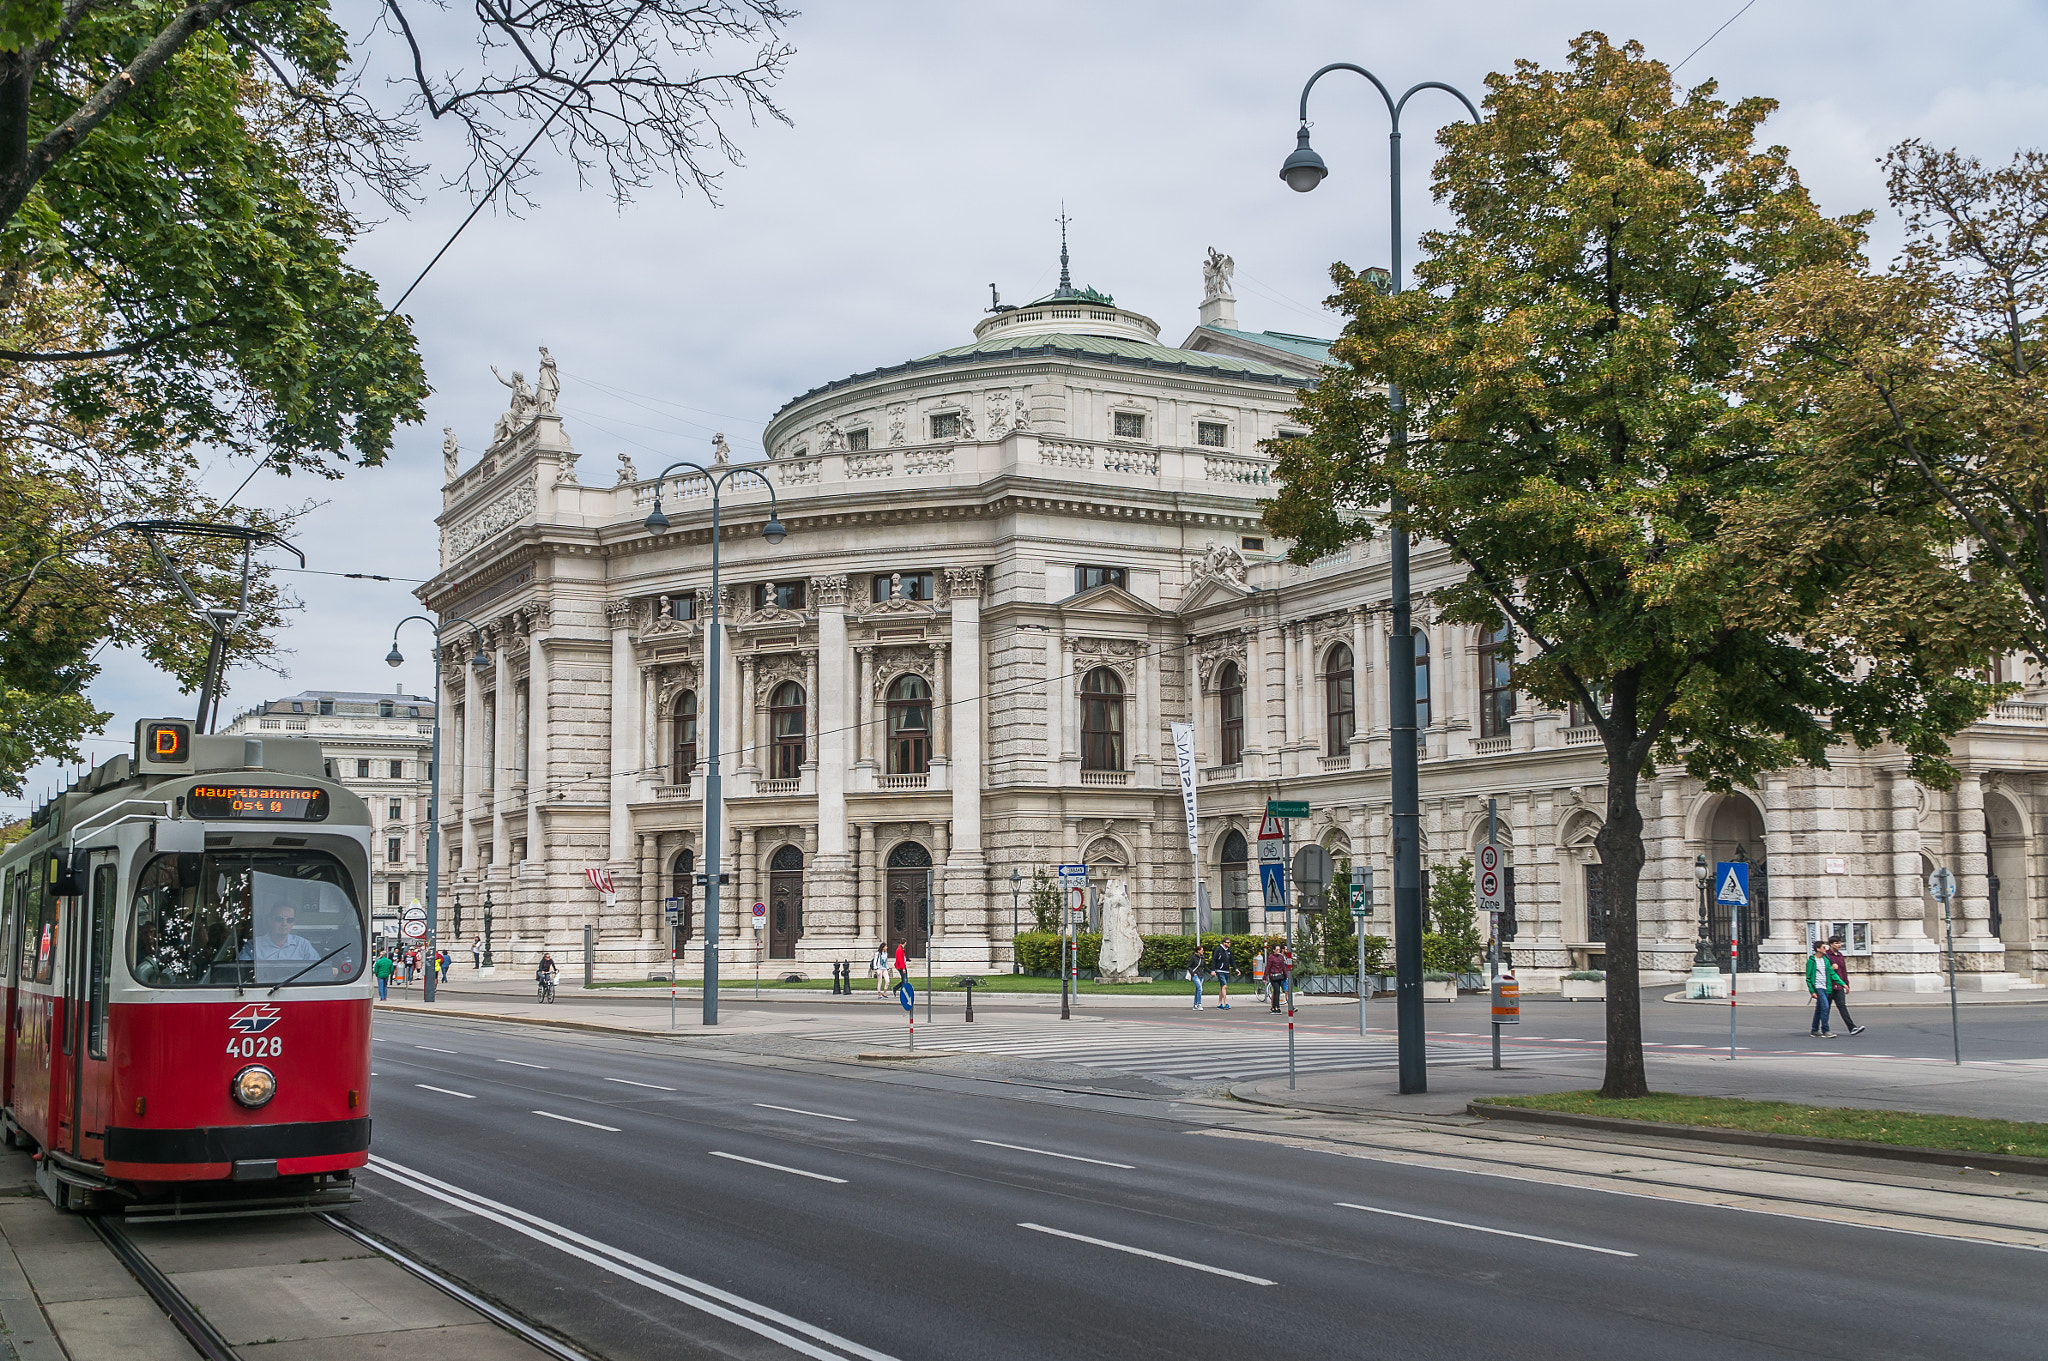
x=1039 y=951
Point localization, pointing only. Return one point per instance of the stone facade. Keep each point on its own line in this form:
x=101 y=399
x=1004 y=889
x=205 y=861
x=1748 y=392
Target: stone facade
x=1009 y=567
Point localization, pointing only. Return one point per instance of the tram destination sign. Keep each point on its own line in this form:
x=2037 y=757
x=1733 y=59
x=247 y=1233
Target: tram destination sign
x=270 y=803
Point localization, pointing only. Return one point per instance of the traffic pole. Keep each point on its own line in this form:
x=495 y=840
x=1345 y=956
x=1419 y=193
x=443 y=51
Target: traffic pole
x=1734 y=962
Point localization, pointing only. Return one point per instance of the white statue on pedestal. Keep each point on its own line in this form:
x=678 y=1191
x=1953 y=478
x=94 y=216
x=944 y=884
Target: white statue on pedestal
x=547 y=386
x=1121 y=943
x=451 y=452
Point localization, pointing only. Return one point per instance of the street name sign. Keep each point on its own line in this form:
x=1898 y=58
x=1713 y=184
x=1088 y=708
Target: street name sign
x=1286 y=808
x=1072 y=876
x=1732 y=878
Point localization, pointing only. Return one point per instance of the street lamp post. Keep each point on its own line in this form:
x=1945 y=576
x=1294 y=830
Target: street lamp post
x=1703 y=960
x=478 y=662
x=714 y=790
x=1303 y=171
x=488 y=962
x=1016 y=888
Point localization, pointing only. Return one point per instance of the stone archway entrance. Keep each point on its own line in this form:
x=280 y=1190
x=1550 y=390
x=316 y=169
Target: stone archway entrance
x=907 y=899
x=785 y=902
x=1735 y=832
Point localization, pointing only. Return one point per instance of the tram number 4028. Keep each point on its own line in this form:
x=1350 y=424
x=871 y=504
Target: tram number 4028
x=256 y=1047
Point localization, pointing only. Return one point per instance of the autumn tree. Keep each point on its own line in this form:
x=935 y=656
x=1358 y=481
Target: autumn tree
x=1570 y=365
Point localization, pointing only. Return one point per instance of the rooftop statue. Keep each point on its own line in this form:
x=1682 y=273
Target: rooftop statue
x=547 y=386
x=1216 y=272
x=721 y=452
x=451 y=452
x=520 y=411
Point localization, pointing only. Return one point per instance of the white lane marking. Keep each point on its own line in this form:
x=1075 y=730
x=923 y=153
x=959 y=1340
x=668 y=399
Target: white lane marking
x=1482 y=1228
x=778 y=1167
x=517 y=1064
x=770 y=1106
x=767 y=1322
x=1155 y=1256
x=572 y=1120
x=1048 y=1153
x=443 y=1091
x=652 y=1087
x=432 y=1050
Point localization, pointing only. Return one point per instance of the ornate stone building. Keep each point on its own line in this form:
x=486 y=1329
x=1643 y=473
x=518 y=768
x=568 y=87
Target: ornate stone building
x=1010 y=565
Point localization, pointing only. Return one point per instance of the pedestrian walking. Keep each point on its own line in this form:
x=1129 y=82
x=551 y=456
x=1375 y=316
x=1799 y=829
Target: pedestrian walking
x=441 y=963
x=1278 y=965
x=879 y=967
x=412 y=961
x=902 y=965
x=1198 y=964
x=383 y=969
x=1840 y=994
x=1222 y=964
x=476 y=953
x=1820 y=984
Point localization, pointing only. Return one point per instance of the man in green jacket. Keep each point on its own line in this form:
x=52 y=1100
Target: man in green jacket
x=1821 y=982
x=383 y=969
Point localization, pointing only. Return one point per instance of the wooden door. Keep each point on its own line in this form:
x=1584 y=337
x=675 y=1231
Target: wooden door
x=908 y=906
x=785 y=912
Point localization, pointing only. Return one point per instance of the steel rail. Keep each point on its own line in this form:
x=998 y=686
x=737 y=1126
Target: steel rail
x=181 y=1311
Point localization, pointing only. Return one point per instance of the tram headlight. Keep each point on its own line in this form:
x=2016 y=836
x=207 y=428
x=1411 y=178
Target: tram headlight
x=254 y=1085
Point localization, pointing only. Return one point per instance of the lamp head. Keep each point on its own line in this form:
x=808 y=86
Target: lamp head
x=394 y=657
x=480 y=662
x=1700 y=871
x=1303 y=170
x=655 y=522
x=773 y=531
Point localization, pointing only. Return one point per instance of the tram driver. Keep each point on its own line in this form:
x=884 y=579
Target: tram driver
x=280 y=951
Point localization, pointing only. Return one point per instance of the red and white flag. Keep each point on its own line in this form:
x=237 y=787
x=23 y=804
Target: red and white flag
x=600 y=879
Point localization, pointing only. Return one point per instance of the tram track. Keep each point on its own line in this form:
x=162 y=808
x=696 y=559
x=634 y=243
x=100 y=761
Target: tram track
x=204 y=1337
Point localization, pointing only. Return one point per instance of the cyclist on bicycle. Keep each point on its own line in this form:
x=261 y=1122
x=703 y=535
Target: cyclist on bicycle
x=545 y=976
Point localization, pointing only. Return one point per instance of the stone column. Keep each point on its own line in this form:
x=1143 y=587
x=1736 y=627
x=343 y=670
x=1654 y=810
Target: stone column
x=966 y=870
x=942 y=856
x=942 y=726
x=870 y=929
x=1065 y=746
x=862 y=679
x=1145 y=735
x=828 y=882
x=1363 y=675
x=501 y=746
x=750 y=890
x=1972 y=905
x=625 y=745
x=1293 y=729
x=814 y=703
x=650 y=888
x=1908 y=887
x=472 y=749
x=1265 y=714
x=748 y=757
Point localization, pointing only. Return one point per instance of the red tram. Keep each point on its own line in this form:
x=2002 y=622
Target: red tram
x=185 y=951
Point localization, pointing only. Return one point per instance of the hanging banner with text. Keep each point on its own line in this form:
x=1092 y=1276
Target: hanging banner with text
x=1184 y=757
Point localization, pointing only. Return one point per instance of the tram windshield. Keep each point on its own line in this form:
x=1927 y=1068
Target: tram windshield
x=232 y=918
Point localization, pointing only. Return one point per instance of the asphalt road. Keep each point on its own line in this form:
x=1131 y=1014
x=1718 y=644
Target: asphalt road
x=646 y=1203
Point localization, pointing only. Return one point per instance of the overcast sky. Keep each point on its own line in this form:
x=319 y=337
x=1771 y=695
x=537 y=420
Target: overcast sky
x=932 y=146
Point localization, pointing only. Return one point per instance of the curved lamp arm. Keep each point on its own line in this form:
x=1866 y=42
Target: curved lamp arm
x=1304 y=169
x=773 y=531
x=397 y=658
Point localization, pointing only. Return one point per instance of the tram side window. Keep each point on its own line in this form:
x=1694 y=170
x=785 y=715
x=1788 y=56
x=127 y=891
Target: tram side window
x=39 y=940
x=230 y=917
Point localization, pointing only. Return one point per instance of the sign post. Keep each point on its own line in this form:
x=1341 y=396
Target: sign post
x=1074 y=906
x=1273 y=895
x=1361 y=908
x=1490 y=902
x=1942 y=884
x=672 y=913
x=760 y=927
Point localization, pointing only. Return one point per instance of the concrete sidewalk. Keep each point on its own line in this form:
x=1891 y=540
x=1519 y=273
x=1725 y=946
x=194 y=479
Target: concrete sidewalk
x=290 y=1288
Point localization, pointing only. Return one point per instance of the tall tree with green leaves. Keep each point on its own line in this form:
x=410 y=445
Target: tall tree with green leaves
x=1570 y=367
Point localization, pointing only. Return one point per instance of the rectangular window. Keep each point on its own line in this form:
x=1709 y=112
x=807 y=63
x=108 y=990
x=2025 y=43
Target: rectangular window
x=1496 y=683
x=362 y=770
x=383 y=708
x=1251 y=543
x=1087 y=578
x=297 y=707
x=683 y=606
x=327 y=707
x=398 y=770
x=1596 y=904
x=391 y=893
x=946 y=425
x=394 y=850
x=398 y=810
x=913 y=585
x=1127 y=424
x=856 y=440
x=101 y=961
x=789 y=595
x=1580 y=716
x=1211 y=434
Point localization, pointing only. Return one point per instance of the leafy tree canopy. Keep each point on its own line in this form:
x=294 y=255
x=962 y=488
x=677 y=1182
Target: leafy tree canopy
x=1570 y=366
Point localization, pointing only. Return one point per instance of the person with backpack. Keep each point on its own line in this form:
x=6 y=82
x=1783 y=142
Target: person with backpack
x=1821 y=981
x=1198 y=964
x=879 y=967
x=1222 y=964
x=383 y=968
x=1840 y=994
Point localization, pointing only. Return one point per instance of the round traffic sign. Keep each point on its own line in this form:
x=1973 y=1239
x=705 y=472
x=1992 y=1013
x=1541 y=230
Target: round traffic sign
x=415 y=913
x=1489 y=857
x=413 y=930
x=1489 y=885
x=760 y=909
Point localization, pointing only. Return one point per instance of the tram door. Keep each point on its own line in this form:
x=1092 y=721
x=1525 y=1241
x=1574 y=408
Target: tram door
x=88 y=966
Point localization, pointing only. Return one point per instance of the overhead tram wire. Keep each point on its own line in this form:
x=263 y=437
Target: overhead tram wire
x=1711 y=36
x=488 y=196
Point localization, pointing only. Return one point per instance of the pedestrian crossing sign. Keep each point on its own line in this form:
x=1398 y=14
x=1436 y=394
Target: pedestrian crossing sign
x=1733 y=877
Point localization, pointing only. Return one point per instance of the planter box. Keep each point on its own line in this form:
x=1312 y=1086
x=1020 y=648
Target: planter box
x=1582 y=990
x=1446 y=991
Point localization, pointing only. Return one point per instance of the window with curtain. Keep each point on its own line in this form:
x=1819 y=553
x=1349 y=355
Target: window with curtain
x=910 y=726
x=1340 y=701
x=1230 y=707
x=1496 y=683
x=1421 y=678
x=1234 y=913
x=786 y=731
x=1102 y=720
x=685 y=760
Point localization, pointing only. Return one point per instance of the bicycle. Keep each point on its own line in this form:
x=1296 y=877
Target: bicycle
x=547 y=988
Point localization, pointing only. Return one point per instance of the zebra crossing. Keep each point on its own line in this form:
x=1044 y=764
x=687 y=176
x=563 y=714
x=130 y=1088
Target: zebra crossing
x=1141 y=1049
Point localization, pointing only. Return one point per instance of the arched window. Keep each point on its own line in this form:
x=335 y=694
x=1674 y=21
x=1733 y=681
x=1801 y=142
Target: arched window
x=686 y=737
x=1230 y=707
x=786 y=859
x=1102 y=720
x=1421 y=678
x=910 y=726
x=1233 y=914
x=786 y=730
x=1496 y=683
x=1340 y=701
x=683 y=887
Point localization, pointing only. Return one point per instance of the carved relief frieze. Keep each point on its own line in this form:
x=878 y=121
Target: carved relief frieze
x=890 y=662
x=621 y=614
x=964 y=582
x=895 y=603
x=1212 y=652
x=828 y=590
x=1118 y=654
x=500 y=515
x=773 y=670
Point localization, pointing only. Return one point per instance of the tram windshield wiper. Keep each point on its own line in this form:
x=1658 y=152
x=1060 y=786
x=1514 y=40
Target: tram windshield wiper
x=314 y=965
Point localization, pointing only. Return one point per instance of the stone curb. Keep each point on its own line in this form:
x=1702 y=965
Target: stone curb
x=913 y=1058
x=1943 y=1157
x=420 y=1009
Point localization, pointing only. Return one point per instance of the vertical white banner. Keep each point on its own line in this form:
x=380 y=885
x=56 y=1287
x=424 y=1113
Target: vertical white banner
x=1184 y=757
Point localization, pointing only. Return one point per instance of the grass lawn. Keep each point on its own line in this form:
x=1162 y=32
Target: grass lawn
x=2022 y=1138
x=943 y=982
